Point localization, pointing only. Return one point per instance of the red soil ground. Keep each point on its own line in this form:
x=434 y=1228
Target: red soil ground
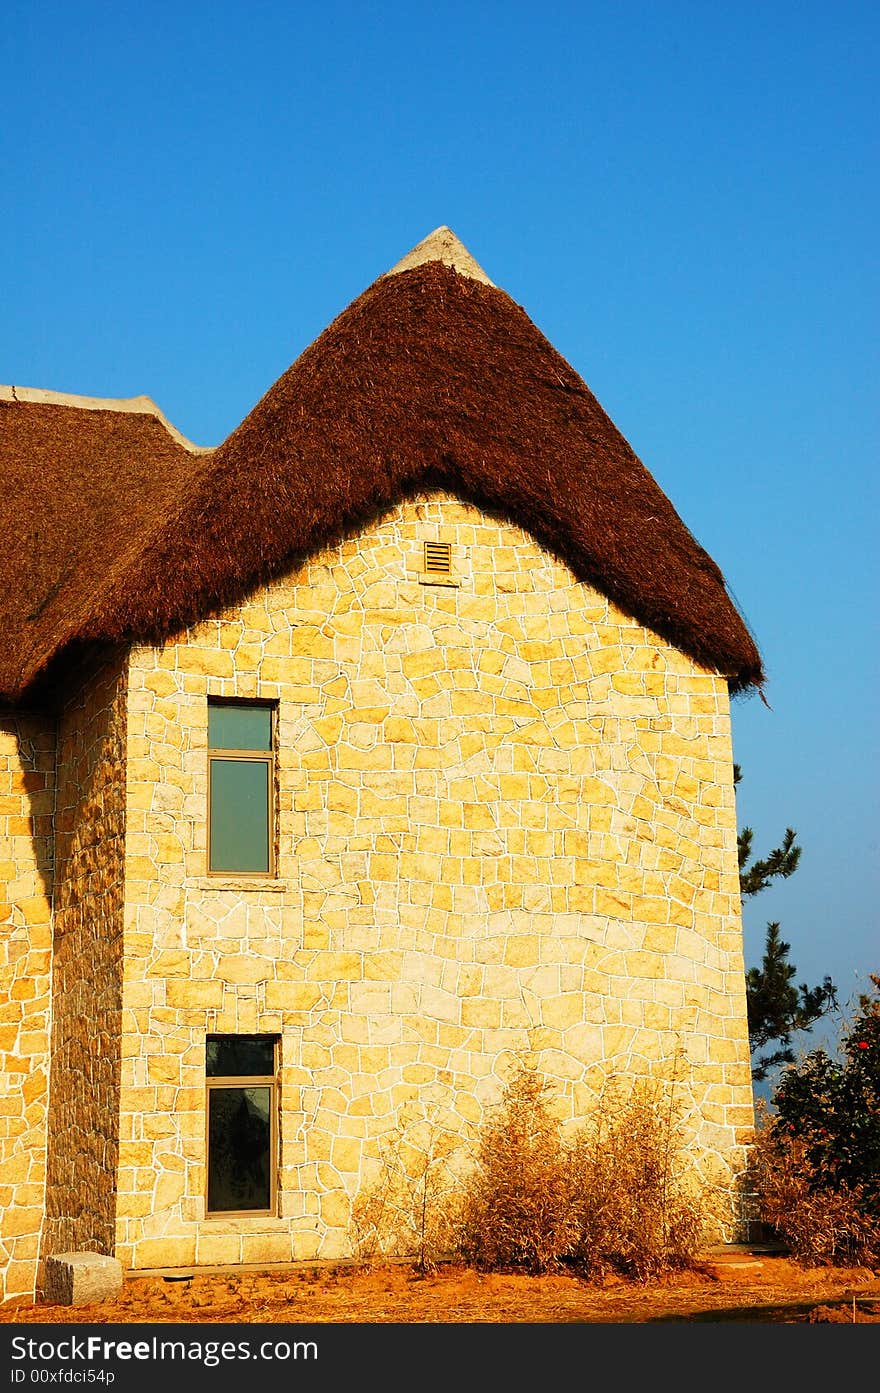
x=732 y=1287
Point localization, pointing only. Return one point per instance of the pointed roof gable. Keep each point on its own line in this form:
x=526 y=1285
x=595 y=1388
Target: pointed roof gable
x=432 y=378
x=442 y=245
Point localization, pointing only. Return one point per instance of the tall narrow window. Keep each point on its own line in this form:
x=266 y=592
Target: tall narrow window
x=242 y=1108
x=241 y=777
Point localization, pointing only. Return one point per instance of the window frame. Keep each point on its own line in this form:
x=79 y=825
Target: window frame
x=220 y=1081
x=267 y=757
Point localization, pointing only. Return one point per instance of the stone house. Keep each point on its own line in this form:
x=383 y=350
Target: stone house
x=340 y=766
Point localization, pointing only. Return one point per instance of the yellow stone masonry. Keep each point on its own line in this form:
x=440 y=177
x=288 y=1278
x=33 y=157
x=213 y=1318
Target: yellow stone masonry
x=27 y=800
x=505 y=829
x=83 y=1125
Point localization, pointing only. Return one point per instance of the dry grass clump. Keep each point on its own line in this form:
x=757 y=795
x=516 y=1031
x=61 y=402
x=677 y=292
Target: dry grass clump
x=636 y=1212
x=410 y=1209
x=818 y=1222
x=517 y=1209
x=613 y=1197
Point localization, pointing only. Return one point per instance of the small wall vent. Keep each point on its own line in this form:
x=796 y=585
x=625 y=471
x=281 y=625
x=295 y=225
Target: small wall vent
x=438 y=558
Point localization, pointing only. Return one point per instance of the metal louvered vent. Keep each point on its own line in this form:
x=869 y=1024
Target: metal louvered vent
x=438 y=558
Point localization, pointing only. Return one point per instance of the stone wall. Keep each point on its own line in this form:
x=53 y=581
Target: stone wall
x=506 y=828
x=87 y=966
x=27 y=797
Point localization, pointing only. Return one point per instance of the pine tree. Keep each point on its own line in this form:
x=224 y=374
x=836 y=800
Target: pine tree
x=776 y=1007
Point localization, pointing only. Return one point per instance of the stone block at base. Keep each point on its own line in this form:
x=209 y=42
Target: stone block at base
x=77 y=1279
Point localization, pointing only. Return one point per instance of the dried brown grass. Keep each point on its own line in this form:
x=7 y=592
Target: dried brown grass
x=410 y=1208
x=819 y=1223
x=613 y=1196
x=517 y=1206
x=637 y=1211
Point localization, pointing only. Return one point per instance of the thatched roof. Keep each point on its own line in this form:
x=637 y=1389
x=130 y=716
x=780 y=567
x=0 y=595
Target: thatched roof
x=81 y=482
x=433 y=377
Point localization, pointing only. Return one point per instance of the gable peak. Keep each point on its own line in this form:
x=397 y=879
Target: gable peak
x=442 y=245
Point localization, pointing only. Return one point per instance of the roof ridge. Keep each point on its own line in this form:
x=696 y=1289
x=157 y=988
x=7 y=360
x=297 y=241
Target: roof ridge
x=137 y=406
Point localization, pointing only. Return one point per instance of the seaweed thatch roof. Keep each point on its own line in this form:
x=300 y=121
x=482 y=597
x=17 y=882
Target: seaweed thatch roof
x=433 y=378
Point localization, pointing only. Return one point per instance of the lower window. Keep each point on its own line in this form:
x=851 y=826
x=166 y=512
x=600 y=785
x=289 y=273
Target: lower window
x=242 y=1110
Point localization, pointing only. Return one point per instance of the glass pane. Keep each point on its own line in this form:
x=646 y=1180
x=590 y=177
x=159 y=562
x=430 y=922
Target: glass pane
x=239 y=727
x=239 y=1148
x=239 y=815
x=231 y=1055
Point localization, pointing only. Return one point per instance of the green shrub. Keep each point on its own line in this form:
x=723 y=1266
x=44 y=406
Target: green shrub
x=818 y=1222
x=833 y=1107
x=816 y=1159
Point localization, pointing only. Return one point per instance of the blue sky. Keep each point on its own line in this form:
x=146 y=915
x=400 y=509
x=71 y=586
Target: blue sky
x=684 y=198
